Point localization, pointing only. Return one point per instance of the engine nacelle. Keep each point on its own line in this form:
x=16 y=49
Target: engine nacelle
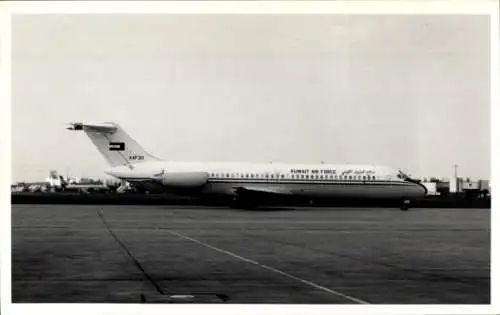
x=185 y=180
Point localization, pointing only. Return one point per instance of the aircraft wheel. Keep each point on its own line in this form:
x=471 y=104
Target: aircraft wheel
x=406 y=205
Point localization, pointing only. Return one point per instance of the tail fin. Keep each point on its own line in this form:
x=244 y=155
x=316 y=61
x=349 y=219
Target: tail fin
x=117 y=147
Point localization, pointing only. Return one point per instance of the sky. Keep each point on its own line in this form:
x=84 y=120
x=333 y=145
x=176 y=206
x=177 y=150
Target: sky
x=411 y=92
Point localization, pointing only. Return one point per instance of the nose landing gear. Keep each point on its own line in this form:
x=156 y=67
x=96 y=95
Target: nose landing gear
x=405 y=205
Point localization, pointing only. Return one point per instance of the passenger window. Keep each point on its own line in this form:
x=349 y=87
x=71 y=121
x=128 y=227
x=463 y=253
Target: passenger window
x=321 y=177
x=246 y=175
x=302 y=176
x=282 y=176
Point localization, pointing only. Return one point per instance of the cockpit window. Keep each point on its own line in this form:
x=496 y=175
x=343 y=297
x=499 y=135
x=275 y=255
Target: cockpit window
x=402 y=175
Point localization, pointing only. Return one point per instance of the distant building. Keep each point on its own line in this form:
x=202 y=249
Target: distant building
x=457 y=185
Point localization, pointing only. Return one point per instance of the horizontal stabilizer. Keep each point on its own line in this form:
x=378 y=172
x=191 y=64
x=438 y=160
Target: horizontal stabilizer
x=104 y=127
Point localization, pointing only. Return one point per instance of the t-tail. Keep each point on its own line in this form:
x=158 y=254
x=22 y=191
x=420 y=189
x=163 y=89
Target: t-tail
x=117 y=147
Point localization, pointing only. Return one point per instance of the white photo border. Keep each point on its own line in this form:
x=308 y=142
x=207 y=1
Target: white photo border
x=8 y=9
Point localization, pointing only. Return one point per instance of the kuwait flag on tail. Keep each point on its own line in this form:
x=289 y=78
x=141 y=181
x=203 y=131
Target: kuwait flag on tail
x=117 y=146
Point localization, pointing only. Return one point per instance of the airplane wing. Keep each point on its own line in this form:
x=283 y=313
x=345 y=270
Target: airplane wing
x=262 y=190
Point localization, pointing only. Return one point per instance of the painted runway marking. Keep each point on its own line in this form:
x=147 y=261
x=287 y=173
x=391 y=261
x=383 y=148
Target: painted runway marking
x=312 y=284
x=122 y=245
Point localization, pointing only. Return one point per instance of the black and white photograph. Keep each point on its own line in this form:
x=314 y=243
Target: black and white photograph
x=243 y=158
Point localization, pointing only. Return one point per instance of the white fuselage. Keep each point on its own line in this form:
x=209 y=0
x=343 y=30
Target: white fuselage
x=305 y=180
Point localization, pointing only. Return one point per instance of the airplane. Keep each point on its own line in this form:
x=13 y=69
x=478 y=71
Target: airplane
x=33 y=186
x=50 y=183
x=58 y=183
x=82 y=188
x=246 y=183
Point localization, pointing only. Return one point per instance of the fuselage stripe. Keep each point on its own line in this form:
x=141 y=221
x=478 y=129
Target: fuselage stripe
x=288 y=181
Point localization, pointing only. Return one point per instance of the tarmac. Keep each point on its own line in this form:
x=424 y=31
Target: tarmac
x=303 y=255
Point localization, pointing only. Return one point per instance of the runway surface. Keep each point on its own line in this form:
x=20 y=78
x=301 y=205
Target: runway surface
x=166 y=254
